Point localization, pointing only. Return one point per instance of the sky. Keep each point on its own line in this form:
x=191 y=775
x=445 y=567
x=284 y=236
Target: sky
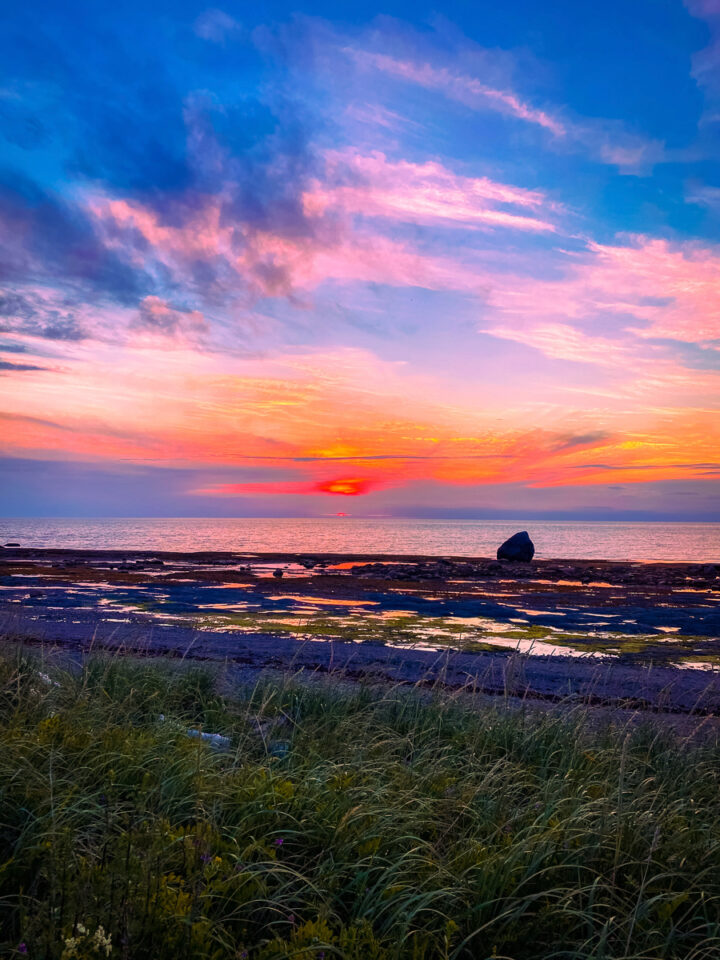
x=457 y=260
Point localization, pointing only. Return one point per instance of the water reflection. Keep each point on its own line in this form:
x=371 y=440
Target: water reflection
x=696 y=542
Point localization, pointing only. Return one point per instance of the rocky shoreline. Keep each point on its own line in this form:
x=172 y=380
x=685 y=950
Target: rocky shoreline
x=619 y=633
x=411 y=567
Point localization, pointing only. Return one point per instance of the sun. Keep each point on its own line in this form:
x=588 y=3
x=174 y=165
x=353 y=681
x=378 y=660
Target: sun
x=345 y=486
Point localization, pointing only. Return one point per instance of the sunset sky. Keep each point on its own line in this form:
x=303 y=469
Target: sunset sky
x=279 y=260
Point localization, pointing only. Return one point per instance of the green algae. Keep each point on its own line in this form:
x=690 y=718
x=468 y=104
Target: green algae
x=406 y=629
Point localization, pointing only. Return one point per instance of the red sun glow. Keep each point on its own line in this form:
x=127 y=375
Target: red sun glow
x=346 y=486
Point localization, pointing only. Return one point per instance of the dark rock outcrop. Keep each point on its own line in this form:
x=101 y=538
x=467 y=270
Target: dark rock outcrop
x=278 y=573
x=518 y=548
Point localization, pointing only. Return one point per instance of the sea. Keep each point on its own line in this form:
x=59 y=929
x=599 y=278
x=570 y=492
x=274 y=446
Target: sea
x=601 y=540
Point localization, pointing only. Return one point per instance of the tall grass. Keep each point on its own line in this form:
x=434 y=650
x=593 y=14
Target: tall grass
x=341 y=822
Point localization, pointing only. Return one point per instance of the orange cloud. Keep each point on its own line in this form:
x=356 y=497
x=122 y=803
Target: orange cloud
x=309 y=412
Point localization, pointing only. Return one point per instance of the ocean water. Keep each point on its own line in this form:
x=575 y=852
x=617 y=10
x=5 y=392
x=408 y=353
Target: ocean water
x=698 y=542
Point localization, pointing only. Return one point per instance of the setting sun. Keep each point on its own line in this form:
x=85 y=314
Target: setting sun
x=348 y=487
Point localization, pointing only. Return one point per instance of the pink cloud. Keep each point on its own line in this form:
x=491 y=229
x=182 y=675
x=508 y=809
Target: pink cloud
x=372 y=258
x=158 y=318
x=202 y=236
x=664 y=290
x=338 y=245
x=561 y=341
x=459 y=87
x=266 y=263
x=649 y=287
x=648 y=271
x=609 y=141
x=420 y=192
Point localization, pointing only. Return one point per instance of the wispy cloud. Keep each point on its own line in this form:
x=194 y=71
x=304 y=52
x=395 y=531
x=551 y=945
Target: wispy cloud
x=656 y=288
x=216 y=25
x=561 y=341
x=262 y=263
x=157 y=316
x=458 y=86
x=373 y=185
x=18 y=367
x=704 y=195
x=706 y=62
x=607 y=140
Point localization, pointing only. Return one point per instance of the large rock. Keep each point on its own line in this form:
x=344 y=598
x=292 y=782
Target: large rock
x=518 y=547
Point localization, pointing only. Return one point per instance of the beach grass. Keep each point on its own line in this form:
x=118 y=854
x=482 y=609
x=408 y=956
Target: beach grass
x=337 y=820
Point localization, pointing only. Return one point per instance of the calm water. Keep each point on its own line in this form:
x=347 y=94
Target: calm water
x=698 y=542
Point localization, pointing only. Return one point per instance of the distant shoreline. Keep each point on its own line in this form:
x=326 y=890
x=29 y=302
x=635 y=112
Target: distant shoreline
x=323 y=517
x=270 y=556
x=617 y=541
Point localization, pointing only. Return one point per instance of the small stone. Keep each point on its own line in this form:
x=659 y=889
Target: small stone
x=278 y=573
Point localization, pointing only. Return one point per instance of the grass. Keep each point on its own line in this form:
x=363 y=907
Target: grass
x=341 y=821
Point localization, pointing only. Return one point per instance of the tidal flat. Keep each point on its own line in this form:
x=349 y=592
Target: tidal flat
x=641 y=634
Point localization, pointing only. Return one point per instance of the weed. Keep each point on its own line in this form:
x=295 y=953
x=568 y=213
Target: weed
x=341 y=822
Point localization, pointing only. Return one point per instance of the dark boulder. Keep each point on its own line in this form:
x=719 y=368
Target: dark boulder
x=278 y=573
x=518 y=548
